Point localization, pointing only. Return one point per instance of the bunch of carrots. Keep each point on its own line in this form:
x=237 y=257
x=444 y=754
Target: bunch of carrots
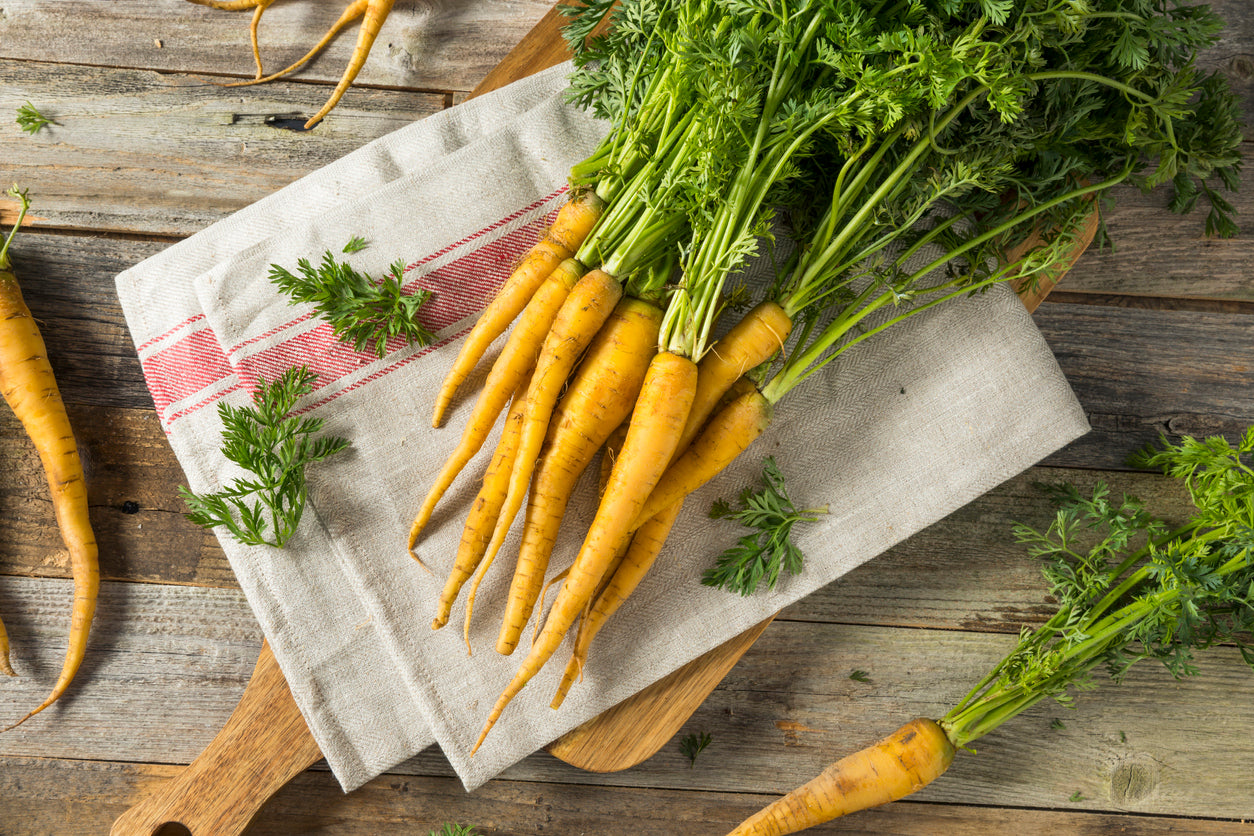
x=29 y=388
x=908 y=148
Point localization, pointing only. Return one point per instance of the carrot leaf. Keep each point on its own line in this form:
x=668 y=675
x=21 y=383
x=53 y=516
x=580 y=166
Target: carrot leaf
x=1130 y=589
x=360 y=309
x=275 y=446
x=760 y=556
x=692 y=744
x=31 y=120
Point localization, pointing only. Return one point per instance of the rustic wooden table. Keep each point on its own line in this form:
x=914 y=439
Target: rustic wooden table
x=1155 y=336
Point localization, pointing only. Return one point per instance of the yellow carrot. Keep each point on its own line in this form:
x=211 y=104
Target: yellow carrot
x=728 y=434
x=657 y=420
x=759 y=335
x=585 y=310
x=258 y=6
x=599 y=398
x=574 y=220
x=29 y=387
x=900 y=764
x=5 y=667
x=638 y=558
x=371 y=21
x=351 y=12
x=516 y=359
x=478 y=528
x=752 y=341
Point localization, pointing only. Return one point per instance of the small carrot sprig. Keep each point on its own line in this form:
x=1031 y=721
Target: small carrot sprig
x=1129 y=587
x=762 y=555
x=274 y=445
x=31 y=120
x=455 y=830
x=359 y=308
x=692 y=744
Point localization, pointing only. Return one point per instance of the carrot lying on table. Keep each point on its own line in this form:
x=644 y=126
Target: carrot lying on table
x=28 y=386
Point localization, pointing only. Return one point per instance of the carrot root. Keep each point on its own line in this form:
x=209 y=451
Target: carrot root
x=590 y=303
x=727 y=434
x=353 y=11
x=574 y=220
x=758 y=336
x=598 y=399
x=478 y=528
x=517 y=359
x=639 y=558
x=657 y=420
x=371 y=21
x=29 y=387
x=5 y=667
x=900 y=764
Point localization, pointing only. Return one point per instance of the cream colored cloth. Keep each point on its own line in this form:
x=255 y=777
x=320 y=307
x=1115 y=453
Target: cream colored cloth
x=903 y=430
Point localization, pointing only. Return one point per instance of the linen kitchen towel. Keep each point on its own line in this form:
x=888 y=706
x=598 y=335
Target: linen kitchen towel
x=901 y=431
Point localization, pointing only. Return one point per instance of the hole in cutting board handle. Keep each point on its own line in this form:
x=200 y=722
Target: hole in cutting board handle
x=172 y=828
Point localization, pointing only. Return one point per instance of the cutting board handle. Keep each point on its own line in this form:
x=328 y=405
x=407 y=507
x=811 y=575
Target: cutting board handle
x=263 y=745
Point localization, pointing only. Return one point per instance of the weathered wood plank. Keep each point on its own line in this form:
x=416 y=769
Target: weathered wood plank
x=424 y=45
x=178 y=657
x=139 y=151
x=69 y=798
x=1139 y=373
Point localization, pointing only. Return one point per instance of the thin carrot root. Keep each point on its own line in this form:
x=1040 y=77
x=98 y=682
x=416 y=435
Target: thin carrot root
x=639 y=557
x=657 y=420
x=585 y=310
x=259 y=8
x=727 y=434
x=517 y=359
x=371 y=21
x=5 y=667
x=902 y=763
x=478 y=528
x=29 y=387
x=573 y=223
x=353 y=11
x=600 y=398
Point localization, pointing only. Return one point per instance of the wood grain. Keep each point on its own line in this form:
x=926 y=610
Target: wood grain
x=263 y=745
x=78 y=798
x=178 y=659
x=152 y=153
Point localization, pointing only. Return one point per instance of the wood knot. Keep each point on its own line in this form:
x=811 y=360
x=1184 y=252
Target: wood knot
x=1133 y=779
x=1242 y=66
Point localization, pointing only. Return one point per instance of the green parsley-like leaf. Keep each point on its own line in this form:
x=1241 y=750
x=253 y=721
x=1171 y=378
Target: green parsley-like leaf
x=355 y=244
x=761 y=556
x=692 y=744
x=455 y=830
x=860 y=676
x=1078 y=796
x=31 y=120
x=359 y=308
x=275 y=446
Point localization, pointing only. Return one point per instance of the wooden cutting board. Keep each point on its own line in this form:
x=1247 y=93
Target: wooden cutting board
x=265 y=742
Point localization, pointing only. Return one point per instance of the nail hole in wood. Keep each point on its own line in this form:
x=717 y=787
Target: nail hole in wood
x=173 y=828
